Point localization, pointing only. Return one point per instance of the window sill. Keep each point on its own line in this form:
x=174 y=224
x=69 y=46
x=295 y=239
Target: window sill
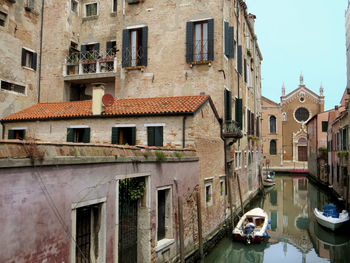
x=142 y=68
x=205 y=62
x=88 y=18
x=163 y=243
x=24 y=67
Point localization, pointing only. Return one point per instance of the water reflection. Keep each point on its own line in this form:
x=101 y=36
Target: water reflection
x=295 y=235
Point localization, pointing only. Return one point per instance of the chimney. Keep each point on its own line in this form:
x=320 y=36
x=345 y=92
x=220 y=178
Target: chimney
x=98 y=91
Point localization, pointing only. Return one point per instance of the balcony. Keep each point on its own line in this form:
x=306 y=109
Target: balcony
x=231 y=130
x=90 y=65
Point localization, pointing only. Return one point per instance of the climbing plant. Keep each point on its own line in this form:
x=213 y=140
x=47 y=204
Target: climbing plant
x=131 y=189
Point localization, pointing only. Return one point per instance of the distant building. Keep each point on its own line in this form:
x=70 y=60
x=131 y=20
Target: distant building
x=284 y=132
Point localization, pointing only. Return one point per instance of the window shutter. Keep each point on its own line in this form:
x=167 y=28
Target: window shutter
x=239 y=113
x=70 y=134
x=158 y=132
x=144 y=45
x=86 y=135
x=253 y=123
x=227 y=43
x=211 y=39
x=34 y=58
x=125 y=48
x=231 y=42
x=133 y=136
x=150 y=136
x=23 y=57
x=11 y=134
x=245 y=70
x=189 y=42
x=248 y=122
x=109 y=46
x=228 y=105
x=115 y=135
x=82 y=51
x=239 y=59
x=97 y=48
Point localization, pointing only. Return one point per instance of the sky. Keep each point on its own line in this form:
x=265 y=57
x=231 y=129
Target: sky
x=305 y=36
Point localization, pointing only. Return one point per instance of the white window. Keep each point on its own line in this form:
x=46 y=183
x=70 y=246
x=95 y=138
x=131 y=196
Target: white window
x=91 y=9
x=201 y=41
x=2 y=18
x=164 y=213
x=209 y=192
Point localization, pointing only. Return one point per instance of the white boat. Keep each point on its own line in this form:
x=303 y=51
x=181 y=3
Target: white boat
x=330 y=222
x=252 y=226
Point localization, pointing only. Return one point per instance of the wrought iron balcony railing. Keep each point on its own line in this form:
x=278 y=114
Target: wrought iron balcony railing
x=231 y=130
x=86 y=62
x=201 y=50
x=133 y=57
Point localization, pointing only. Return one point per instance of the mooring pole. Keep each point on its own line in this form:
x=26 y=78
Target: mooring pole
x=240 y=193
x=199 y=219
x=261 y=181
x=181 y=231
x=230 y=200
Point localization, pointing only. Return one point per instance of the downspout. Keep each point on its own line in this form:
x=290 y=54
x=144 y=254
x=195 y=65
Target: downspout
x=238 y=10
x=41 y=48
x=184 y=132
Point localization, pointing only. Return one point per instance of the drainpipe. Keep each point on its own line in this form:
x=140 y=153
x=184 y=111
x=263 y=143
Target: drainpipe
x=41 y=48
x=184 y=132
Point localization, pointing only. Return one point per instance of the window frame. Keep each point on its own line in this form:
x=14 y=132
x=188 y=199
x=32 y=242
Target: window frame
x=270 y=149
x=168 y=224
x=85 y=9
x=15 y=132
x=4 y=19
x=141 y=40
x=76 y=4
x=76 y=130
x=13 y=91
x=155 y=125
x=114 y=6
x=270 y=124
x=26 y=54
x=117 y=127
x=208 y=184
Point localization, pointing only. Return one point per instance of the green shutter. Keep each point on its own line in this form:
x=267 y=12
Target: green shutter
x=126 y=48
x=227 y=43
x=115 y=135
x=158 y=132
x=245 y=70
x=239 y=113
x=228 y=105
x=34 y=59
x=231 y=42
x=133 y=136
x=11 y=134
x=144 y=45
x=23 y=57
x=211 y=39
x=86 y=135
x=239 y=61
x=150 y=136
x=189 y=42
x=70 y=134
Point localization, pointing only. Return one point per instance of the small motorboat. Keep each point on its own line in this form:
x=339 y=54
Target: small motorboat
x=268 y=182
x=252 y=226
x=330 y=217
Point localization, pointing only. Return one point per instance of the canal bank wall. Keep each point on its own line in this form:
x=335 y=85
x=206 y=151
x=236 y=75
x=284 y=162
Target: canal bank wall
x=223 y=230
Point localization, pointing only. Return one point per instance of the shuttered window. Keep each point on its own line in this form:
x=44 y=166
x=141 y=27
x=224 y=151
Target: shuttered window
x=239 y=59
x=229 y=42
x=124 y=135
x=200 y=41
x=78 y=135
x=91 y=9
x=324 y=126
x=228 y=104
x=29 y=59
x=16 y=134
x=273 y=147
x=155 y=136
x=239 y=113
x=134 y=47
x=272 y=124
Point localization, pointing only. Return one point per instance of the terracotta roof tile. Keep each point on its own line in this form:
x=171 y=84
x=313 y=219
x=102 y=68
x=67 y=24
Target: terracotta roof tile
x=121 y=107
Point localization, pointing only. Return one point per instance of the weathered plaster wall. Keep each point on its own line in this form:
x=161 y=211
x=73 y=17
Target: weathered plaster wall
x=22 y=29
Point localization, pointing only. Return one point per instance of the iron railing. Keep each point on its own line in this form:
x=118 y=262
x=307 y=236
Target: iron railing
x=200 y=50
x=134 y=56
x=231 y=130
x=90 y=62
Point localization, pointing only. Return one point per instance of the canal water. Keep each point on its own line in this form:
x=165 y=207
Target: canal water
x=295 y=236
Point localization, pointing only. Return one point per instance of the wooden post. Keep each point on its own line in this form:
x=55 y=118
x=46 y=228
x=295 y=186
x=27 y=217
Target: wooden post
x=181 y=231
x=199 y=219
x=261 y=181
x=240 y=192
x=230 y=201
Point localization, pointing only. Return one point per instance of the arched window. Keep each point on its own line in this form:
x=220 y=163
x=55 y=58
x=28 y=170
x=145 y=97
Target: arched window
x=272 y=124
x=273 y=147
x=284 y=116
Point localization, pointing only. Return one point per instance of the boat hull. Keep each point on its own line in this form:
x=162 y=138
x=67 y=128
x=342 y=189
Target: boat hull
x=328 y=222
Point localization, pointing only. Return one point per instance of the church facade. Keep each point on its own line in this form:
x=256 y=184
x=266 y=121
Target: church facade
x=284 y=129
